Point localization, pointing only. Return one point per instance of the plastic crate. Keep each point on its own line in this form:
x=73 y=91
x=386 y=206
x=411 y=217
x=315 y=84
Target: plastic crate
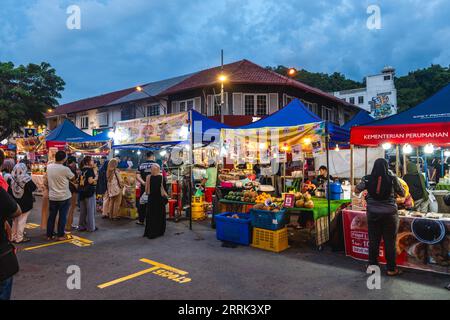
x=268 y=220
x=234 y=230
x=275 y=241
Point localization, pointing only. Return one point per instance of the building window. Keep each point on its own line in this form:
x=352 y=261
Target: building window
x=255 y=104
x=84 y=122
x=288 y=100
x=102 y=119
x=327 y=114
x=261 y=105
x=249 y=105
x=361 y=100
x=311 y=106
x=128 y=112
x=217 y=111
x=387 y=78
x=352 y=100
x=153 y=110
x=187 y=105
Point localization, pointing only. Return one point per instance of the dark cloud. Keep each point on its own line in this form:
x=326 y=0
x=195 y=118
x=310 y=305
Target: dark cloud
x=128 y=42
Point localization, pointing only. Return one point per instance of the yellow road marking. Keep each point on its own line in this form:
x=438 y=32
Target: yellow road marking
x=156 y=266
x=80 y=242
x=32 y=226
x=165 y=267
x=123 y=279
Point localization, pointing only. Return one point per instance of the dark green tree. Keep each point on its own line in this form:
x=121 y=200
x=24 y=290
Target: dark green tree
x=26 y=93
x=419 y=85
x=322 y=81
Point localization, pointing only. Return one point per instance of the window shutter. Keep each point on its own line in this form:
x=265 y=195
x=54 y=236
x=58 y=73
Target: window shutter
x=210 y=106
x=225 y=104
x=273 y=103
x=238 y=108
x=198 y=104
x=175 y=107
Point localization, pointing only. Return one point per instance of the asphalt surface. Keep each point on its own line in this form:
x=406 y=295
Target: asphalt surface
x=216 y=272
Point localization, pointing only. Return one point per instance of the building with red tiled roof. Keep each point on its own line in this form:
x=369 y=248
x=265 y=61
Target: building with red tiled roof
x=250 y=91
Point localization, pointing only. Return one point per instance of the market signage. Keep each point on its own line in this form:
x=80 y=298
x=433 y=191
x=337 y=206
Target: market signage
x=435 y=133
x=250 y=145
x=94 y=147
x=158 y=129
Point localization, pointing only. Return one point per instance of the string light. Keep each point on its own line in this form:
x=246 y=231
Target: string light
x=407 y=149
x=429 y=149
x=387 y=146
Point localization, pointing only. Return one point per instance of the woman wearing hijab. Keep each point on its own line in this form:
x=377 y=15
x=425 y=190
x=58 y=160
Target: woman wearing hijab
x=382 y=216
x=417 y=187
x=22 y=188
x=114 y=188
x=155 y=219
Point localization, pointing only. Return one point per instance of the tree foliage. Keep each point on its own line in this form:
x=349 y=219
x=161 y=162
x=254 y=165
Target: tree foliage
x=419 y=85
x=323 y=81
x=412 y=89
x=26 y=93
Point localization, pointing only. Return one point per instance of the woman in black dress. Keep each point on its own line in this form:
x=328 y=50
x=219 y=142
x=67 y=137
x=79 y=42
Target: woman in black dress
x=155 y=219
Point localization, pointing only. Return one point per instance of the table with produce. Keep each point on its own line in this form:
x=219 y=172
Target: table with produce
x=313 y=209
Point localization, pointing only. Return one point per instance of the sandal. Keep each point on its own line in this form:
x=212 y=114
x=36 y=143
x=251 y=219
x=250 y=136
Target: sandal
x=395 y=273
x=24 y=240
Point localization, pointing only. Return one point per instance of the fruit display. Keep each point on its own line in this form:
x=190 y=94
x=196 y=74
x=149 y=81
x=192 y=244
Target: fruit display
x=261 y=198
x=304 y=200
x=308 y=186
x=271 y=207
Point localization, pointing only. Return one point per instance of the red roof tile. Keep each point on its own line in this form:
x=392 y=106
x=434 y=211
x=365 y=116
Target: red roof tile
x=244 y=72
x=91 y=103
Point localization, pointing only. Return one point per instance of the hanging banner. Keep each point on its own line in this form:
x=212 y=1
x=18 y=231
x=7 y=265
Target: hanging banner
x=31 y=144
x=415 y=134
x=157 y=129
x=91 y=148
x=248 y=145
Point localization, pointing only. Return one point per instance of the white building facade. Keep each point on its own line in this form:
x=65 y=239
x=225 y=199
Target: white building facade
x=379 y=97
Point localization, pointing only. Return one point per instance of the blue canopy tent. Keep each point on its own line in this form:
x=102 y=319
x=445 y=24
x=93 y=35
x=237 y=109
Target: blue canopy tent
x=296 y=114
x=67 y=132
x=361 y=118
x=206 y=130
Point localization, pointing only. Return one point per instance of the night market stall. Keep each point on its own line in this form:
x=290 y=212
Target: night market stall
x=177 y=138
x=424 y=237
x=292 y=135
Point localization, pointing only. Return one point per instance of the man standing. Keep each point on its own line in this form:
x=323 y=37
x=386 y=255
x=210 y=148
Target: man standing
x=144 y=170
x=58 y=177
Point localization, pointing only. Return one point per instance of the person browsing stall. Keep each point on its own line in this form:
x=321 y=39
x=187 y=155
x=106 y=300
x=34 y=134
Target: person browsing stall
x=382 y=213
x=142 y=174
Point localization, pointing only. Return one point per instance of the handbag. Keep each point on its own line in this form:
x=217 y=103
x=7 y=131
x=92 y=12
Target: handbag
x=9 y=265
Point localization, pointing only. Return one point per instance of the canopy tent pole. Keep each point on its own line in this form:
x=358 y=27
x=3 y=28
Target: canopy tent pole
x=397 y=160
x=442 y=164
x=404 y=163
x=366 y=161
x=417 y=159
x=191 y=170
x=425 y=167
x=327 y=141
x=352 y=166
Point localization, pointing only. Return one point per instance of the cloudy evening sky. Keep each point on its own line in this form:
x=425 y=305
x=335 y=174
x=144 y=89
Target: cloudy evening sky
x=127 y=42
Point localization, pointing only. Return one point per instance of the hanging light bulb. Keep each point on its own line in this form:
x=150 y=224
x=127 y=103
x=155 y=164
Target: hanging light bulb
x=387 y=146
x=429 y=149
x=111 y=134
x=447 y=153
x=139 y=152
x=407 y=149
x=337 y=148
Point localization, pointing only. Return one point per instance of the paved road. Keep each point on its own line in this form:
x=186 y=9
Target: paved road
x=215 y=272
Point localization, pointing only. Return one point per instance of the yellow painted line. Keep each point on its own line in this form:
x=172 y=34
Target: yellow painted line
x=32 y=226
x=47 y=245
x=156 y=266
x=131 y=276
x=165 y=267
x=77 y=241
